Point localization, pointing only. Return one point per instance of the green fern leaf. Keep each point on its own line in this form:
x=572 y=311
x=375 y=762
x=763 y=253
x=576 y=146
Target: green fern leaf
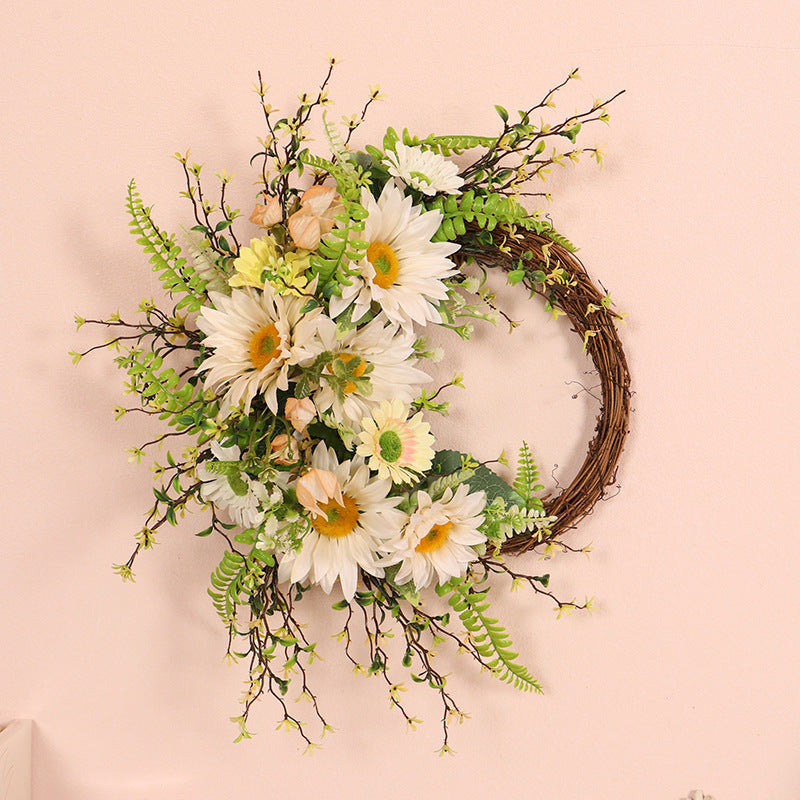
x=526 y=481
x=490 y=638
x=176 y=275
x=230 y=582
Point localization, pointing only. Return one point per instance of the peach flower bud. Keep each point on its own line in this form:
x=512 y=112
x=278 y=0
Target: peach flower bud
x=269 y=214
x=300 y=412
x=324 y=203
x=283 y=450
x=318 y=486
x=305 y=230
x=318 y=207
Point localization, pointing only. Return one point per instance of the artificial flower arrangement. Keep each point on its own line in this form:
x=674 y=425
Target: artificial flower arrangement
x=290 y=366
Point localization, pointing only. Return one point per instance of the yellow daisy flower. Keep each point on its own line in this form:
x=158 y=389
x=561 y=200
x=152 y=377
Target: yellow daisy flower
x=262 y=262
x=397 y=447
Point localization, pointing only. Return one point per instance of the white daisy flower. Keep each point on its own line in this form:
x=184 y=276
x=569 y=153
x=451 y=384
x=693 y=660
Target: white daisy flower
x=424 y=170
x=231 y=489
x=440 y=537
x=387 y=360
x=397 y=447
x=403 y=271
x=347 y=534
x=256 y=337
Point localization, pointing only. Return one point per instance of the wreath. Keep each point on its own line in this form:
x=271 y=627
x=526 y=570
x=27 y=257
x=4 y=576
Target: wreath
x=287 y=364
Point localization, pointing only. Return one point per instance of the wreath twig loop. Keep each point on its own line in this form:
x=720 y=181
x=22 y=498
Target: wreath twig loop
x=587 y=309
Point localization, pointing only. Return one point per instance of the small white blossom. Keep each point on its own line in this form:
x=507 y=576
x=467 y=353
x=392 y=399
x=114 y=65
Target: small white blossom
x=231 y=489
x=423 y=170
x=471 y=284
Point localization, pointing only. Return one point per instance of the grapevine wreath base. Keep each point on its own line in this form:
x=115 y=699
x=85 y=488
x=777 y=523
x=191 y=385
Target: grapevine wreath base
x=286 y=364
x=587 y=309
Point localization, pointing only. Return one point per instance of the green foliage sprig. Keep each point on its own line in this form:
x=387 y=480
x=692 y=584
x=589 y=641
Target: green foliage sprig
x=487 y=211
x=344 y=247
x=177 y=277
x=518 y=155
x=526 y=481
x=489 y=637
x=233 y=581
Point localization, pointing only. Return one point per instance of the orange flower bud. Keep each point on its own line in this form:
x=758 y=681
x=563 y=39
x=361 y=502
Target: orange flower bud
x=304 y=228
x=319 y=205
x=269 y=214
x=300 y=412
x=283 y=450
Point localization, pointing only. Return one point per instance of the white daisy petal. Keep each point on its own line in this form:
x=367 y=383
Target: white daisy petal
x=230 y=489
x=389 y=352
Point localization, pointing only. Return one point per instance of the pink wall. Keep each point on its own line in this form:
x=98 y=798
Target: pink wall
x=686 y=676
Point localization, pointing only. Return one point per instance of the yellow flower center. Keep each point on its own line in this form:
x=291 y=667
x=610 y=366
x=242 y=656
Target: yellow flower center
x=342 y=519
x=386 y=263
x=264 y=346
x=435 y=539
x=358 y=371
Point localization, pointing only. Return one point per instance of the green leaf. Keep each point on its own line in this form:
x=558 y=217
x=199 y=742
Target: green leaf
x=390 y=139
x=572 y=133
x=490 y=482
x=376 y=156
x=447 y=462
